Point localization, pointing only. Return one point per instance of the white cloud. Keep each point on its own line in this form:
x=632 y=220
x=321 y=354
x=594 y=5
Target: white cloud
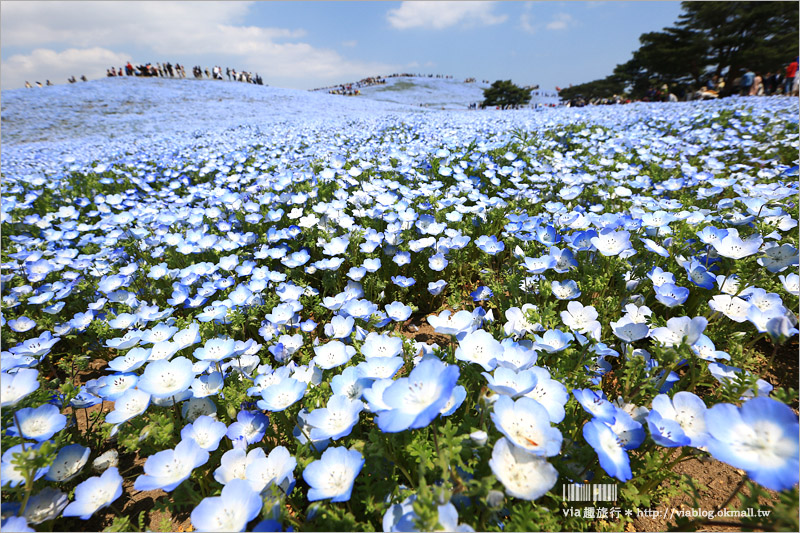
x=349 y=44
x=439 y=15
x=561 y=21
x=526 y=23
x=43 y=64
x=172 y=31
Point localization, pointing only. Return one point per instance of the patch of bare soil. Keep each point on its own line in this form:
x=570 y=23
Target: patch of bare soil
x=417 y=328
x=715 y=482
x=784 y=371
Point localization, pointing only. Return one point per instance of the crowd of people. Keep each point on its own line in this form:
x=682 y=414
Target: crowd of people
x=168 y=70
x=751 y=83
x=354 y=88
x=754 y=83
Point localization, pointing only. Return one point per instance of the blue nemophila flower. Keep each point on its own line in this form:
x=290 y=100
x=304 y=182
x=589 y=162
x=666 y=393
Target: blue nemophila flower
x=164 y=379
x=595 y=403
x=10 y=474
x=699 y=275
x=207 y=384
x=777 y=258
x=359 y=308
x=398 y=311
x=352 y=381
x=68 y=463
x=131 y=361
x=95 y=493
x=582 y=319
x=671 y=295
x=332 y=354
x=630 y=432
x=678 y=421
x=510 y=382
x=169 y=468
x=628 y=330
x=402 y=281
x=654 y=247
x=609 y=448
x=547 y=235
x=38 y=423
x=760 y=437
x=565 y=260
x=21 y=324
x=332 y=476
x=275 y=469
x=436 y=287
x=526 y=423
x=550 y=393
x=704 y=349
x=523 y=475
x=250 y=427
x=130 y=404
x=539 y=265
x=187 y=337
x=553 y=340
x=414 y=401
x=281 y=395
x=457 y=397
x=660 y=277
x=232 y=510
x=356 y=273
x=402 y=258
x=680 y=330
x=113 y=386
x=518 y=324
x=234 y=463
x=46 y=505
x=478 y=347
x=205 y=431
x=490 y=244
x=437 y=262
x=16 y=523
x=402 y=517
x=609 y=242
x=481 y=293
x=459 y=324
x=734 y=247
x=17 y=386
x=732 y=307
x=568 y=290
x=336 y=419
x=38 y=347
x=340 y=326
x=381 y=345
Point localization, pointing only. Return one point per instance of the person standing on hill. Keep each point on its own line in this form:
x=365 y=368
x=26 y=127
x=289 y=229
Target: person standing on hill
x=791 y=72
x=757 y=88
x=747 y=82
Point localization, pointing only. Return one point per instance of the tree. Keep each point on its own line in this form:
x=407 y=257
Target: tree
x=739 y=35
x=505 y=94
x=710 y=38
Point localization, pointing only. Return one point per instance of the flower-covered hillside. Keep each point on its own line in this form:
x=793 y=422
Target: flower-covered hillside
x=214 y=309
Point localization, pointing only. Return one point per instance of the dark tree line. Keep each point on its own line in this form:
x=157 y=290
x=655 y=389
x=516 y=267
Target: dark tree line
x=709 y=38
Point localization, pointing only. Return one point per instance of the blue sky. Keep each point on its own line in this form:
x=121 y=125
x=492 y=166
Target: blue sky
x=313 y=44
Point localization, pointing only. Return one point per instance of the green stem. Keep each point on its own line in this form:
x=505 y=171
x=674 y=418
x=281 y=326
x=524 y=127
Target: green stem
x=390 y=453
x=19 y=429
x=772 y=357
x=176 y=418
x=733 y=494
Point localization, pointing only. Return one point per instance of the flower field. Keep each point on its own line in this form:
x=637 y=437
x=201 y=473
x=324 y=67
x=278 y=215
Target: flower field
x=273 y=310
